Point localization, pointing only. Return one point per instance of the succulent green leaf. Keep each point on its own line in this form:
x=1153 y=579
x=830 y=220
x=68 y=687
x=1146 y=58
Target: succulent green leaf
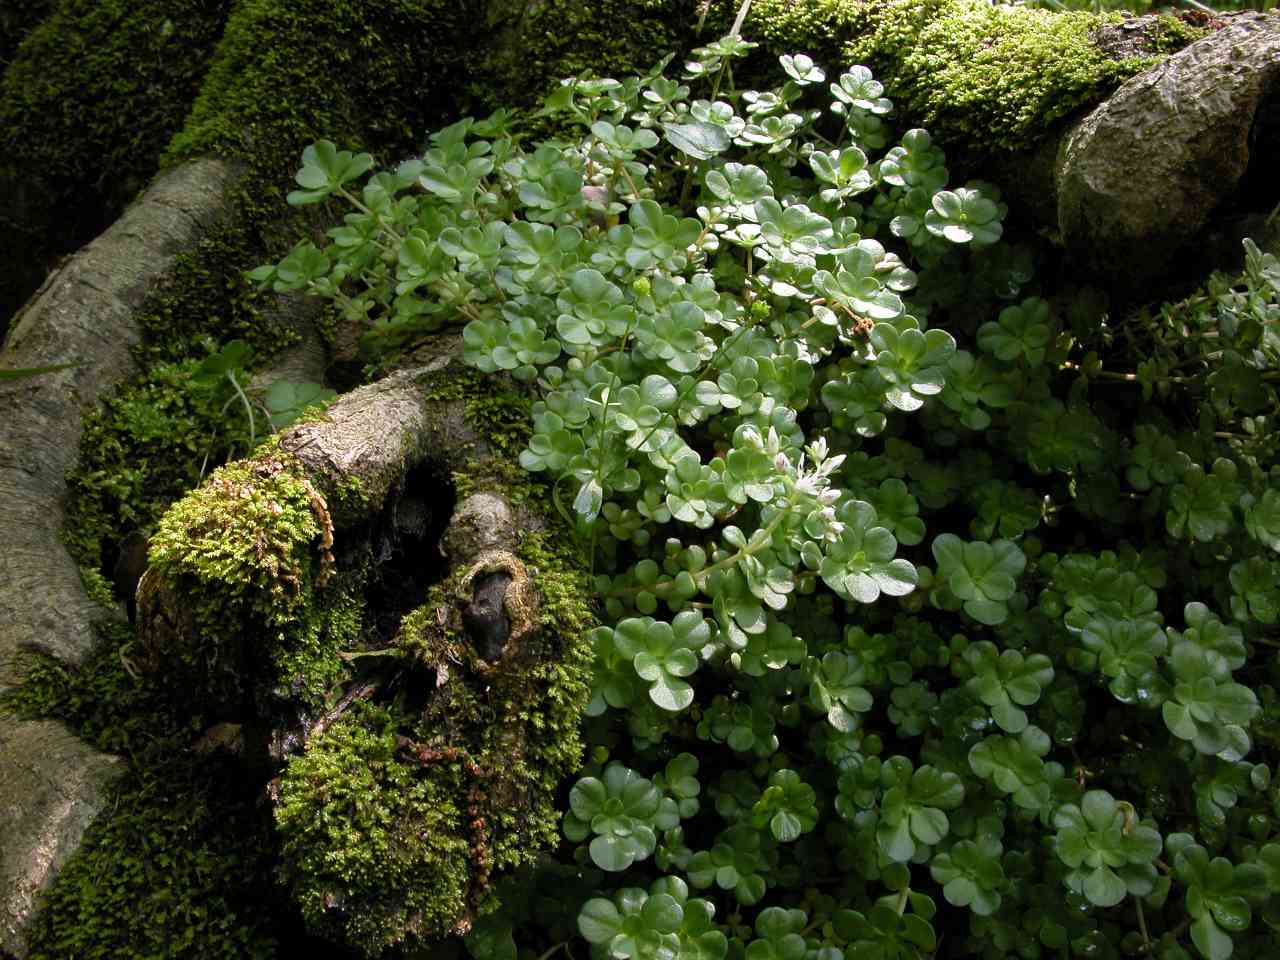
x=836 y=688
x=1109 y=852
x=621 y=810
x=663 y=654
x=860 y=565
x=982 y=575
x=1022 y=332
x=701 y=140
x=325 y=168
x=964 y=216
x=788 y=807
x=1128 y=653
x=1200 y=505
x=971 y=874
x=1016 y=767
x=286 y=400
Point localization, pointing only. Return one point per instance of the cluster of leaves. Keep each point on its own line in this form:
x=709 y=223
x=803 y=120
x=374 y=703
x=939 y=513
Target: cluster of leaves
x=921 y=623
x=224 y=374
x=156 y=438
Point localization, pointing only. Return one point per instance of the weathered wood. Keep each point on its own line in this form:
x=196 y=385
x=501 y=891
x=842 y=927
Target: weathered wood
x=477 y=668
x=374 y=434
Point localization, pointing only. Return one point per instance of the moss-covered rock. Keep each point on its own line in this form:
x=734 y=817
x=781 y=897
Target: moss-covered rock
x=370 y=73
x=819 y=28
x=995 y=77
x=180 y=864
x=544 y=40
x=428 y=770
x=87 y=104
x=179 y=869
x=397 y=820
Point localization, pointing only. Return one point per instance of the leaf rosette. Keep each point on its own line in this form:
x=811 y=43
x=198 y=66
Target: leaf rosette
x=623 y=810
x=1109 y=852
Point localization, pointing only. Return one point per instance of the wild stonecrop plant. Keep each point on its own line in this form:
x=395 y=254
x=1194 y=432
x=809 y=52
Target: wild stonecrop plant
x=925 y=630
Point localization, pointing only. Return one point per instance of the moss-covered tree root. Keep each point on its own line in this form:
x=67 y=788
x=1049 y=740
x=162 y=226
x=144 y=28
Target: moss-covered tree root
x=412 y=684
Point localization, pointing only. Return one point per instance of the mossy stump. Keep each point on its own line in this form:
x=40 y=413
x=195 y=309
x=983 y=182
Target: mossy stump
x=409 y=684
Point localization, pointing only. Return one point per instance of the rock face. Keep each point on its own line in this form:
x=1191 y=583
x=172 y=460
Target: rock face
x=52 y=785
x=1143 y=173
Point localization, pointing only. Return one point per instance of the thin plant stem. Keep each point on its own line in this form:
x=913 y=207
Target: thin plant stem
x=248 y=408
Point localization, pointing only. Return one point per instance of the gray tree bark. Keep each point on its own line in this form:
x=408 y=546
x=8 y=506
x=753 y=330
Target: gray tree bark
x=51 y=784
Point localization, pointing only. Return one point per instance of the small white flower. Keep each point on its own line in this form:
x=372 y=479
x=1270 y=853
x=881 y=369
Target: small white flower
x=818 y=450
x=832 y=465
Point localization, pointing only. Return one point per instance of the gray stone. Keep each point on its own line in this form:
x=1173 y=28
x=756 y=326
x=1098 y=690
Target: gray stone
x=1143 y=174
x=52 y=785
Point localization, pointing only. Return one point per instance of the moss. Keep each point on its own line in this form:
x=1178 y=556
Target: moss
x=156 y=435
x=178 y=864
x=68 y=166
x=140 y=449
x=261 y=103
x=398 y=820
x=819 y=28
x=306 y=666
x=176 y=869
x=503 y=417
x=564 y=38
x=250 y=528
x=105 y=701
x=16 y=21
x=992 y=77
x=245 y=552
x=145 y=57
x=348 y=502
x=525 y=723
x=206 y=300
x=375 y=845
x=373 y=75
x=97 y=588
x=1169 y=34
